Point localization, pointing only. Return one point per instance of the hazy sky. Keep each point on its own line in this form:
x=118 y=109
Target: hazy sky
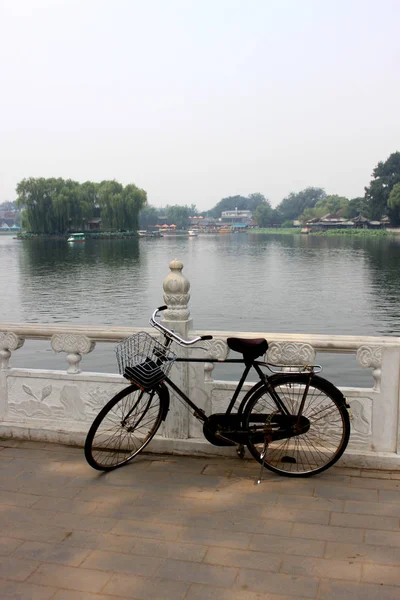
x=194 y=100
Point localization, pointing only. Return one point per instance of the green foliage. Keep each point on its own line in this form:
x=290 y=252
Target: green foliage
x=264 y=214
x=148 y=217
x=178 y=215
x=328 y=205
x=385 y=176
x=354 y=232
x=295 y=204
x=57 y=205
x=394 y=197
x=240 y=202
x=277 y=230
x=357 y=206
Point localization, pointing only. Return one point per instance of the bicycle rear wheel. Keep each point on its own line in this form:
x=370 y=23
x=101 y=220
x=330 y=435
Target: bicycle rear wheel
x=324 y=431
x=124 y=427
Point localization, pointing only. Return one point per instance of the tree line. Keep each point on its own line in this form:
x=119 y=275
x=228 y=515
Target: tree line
x=57 y=205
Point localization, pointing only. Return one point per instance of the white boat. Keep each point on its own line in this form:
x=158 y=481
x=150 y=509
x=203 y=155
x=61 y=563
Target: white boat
x=151 y=234
x=76 y=237
x=193 y=232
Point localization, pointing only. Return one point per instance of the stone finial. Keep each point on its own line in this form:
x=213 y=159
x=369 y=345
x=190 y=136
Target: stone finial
x=176 y=293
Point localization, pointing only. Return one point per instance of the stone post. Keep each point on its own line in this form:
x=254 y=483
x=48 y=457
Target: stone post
x=177 y=317
x=9 y=342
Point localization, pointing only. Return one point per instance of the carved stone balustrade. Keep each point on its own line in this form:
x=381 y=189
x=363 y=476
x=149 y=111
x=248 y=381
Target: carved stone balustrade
x=59 y=406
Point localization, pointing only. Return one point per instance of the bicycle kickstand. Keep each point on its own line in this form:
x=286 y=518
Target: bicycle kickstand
x=262 y=456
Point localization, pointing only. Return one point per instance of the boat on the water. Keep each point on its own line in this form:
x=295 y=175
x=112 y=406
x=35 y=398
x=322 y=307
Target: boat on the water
x=150 y=234
x=76 y=237
x=193 y=232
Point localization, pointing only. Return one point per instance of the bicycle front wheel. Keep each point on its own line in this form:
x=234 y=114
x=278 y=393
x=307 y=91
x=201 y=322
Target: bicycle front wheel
x=123 y=427
x=322 y=433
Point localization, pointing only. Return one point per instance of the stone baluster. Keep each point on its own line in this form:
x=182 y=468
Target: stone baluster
x=217 y=350
x=177 y=317
x=9 y=342
x=290 y=354
x=370 y=357
x=74 y=346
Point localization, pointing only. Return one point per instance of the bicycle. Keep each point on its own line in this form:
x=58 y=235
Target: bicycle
x=293 y=423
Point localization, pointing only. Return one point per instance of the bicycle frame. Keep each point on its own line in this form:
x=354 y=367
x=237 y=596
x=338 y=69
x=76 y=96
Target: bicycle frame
x=170 y=336
x=264 y=380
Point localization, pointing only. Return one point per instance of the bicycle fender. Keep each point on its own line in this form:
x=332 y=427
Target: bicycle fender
x=331 y=388
x=247 y=397
x=164 y=396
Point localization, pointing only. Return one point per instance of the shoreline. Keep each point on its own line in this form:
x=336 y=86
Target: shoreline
x=329 y=232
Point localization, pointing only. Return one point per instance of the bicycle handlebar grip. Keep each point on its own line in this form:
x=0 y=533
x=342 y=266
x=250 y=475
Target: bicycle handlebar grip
x=206 y=337
x=160 y=308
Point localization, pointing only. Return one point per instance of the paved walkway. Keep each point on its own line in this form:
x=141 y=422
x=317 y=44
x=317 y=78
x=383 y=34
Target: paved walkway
x=175 y=528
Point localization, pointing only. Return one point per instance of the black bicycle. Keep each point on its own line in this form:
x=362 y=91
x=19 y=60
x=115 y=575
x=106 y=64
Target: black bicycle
x=293 y=423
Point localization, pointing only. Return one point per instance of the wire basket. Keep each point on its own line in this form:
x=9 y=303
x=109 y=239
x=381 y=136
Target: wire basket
x=144 y=360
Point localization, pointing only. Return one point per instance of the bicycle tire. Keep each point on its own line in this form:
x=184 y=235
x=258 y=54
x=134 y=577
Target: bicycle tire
x=107 y=449
x=316 y=449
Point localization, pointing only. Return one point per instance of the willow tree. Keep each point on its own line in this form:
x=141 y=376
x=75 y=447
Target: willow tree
x=56 y=205
x=120 y=206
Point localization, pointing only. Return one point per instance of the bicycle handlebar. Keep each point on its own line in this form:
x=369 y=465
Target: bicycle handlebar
x=172 y=334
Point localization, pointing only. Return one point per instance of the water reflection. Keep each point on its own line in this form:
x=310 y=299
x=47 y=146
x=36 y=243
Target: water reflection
x=295 y=284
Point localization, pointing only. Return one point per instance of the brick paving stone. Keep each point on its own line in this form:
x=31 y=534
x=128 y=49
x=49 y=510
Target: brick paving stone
x=86 y=580
x=85 y=523
x=74 y=595
x=365 y=521
x=370 y=473
x=180 y=570
x=363 y=553
x=79 y=507
x=327 y=532
x=147 y=530
x=207 y=592
x=389 y=496
x=12 y=590
x=348 y=590
x=122 y=563
x=310 y=503
x=382 y=538
x=287 y=545
x=381 y=574
x=99 y=541
x=141 y=588
x=214 y=537
x=348 y=492
x=34 y=533
x=375 y=484
x=278 y=583
x=17 y=499
x=383 y=509
x=163 y=549
x=16 y=514
x=321 y=567
x=299 y=515
x=16 y=568
x=57 y=553
x=243 y=558
x=7 y=545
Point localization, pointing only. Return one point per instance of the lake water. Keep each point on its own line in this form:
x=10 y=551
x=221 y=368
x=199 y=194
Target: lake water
x=243 y=282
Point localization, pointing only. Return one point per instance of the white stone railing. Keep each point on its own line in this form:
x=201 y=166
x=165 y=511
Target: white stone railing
x=60 y=405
